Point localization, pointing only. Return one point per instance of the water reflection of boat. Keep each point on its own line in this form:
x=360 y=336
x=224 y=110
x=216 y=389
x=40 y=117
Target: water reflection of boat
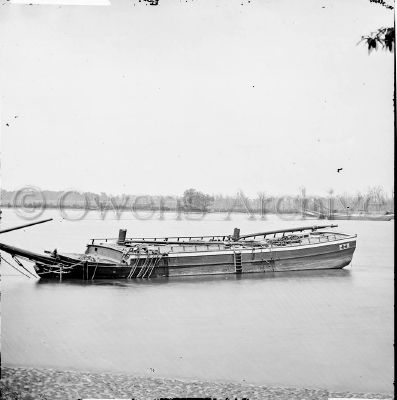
x=315 y=275
x=296 y=249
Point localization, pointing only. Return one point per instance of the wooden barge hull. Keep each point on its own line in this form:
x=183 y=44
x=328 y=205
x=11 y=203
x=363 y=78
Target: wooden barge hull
x=330 y=255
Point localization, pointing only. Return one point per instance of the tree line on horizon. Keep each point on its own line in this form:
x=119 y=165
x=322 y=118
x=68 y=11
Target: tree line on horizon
x=374 y=199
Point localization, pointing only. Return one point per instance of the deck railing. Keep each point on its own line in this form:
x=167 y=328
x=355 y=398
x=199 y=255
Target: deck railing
x=215 y=238
x=274 y=243
x=222 y=238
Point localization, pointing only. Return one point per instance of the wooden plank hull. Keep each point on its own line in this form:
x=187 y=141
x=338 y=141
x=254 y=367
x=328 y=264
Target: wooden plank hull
x=287 y=259
x=337 y=254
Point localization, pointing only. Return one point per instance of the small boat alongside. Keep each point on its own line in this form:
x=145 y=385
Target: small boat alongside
x=295 y=249
x=359 y=216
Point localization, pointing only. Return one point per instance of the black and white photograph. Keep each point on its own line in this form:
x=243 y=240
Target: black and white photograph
x=197 y=199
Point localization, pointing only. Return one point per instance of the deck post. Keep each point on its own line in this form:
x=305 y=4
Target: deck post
x=236 y=234
x=85 y=271
x=122 y=236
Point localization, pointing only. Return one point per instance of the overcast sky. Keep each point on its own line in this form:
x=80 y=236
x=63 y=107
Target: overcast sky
x=269 y=95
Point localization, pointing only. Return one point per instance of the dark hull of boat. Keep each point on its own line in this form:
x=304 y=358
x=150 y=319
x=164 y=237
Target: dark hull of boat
x=361 y=217
x=311 y=257
x=348 y=217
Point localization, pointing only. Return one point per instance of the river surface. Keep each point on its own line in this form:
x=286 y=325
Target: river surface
x=320 y=329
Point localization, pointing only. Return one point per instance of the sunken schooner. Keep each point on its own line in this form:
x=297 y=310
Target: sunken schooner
x=295 y=249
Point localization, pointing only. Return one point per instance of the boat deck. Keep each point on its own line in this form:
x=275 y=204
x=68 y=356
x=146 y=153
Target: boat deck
x=190 y=244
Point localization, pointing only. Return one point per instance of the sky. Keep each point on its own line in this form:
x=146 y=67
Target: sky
x=219 y=95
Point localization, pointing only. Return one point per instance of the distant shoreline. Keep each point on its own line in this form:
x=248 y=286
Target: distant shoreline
x=200 y=212
x=40 y=383
x=374 y=201
x=168 y=211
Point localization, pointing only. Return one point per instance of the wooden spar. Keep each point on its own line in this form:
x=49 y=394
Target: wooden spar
x=15 y=251
x=300 y=229
x=180 y=242
x=165 y=238
x=24 y=226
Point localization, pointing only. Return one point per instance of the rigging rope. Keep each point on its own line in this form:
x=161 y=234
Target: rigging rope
x=13 y=266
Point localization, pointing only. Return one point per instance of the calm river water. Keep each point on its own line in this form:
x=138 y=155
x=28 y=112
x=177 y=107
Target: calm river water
x=330 y=329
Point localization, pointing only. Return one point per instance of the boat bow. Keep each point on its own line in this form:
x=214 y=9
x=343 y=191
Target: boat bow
x=29 y=255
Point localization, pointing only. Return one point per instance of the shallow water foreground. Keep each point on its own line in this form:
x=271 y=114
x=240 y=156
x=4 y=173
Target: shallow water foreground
x=330 y=330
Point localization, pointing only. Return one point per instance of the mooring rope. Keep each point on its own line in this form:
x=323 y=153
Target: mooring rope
x=60 y=266
x=95 y=270
x=145 y=266
x=134 y=267
x=156 y=263
x=13 y=266
x=21 y=265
